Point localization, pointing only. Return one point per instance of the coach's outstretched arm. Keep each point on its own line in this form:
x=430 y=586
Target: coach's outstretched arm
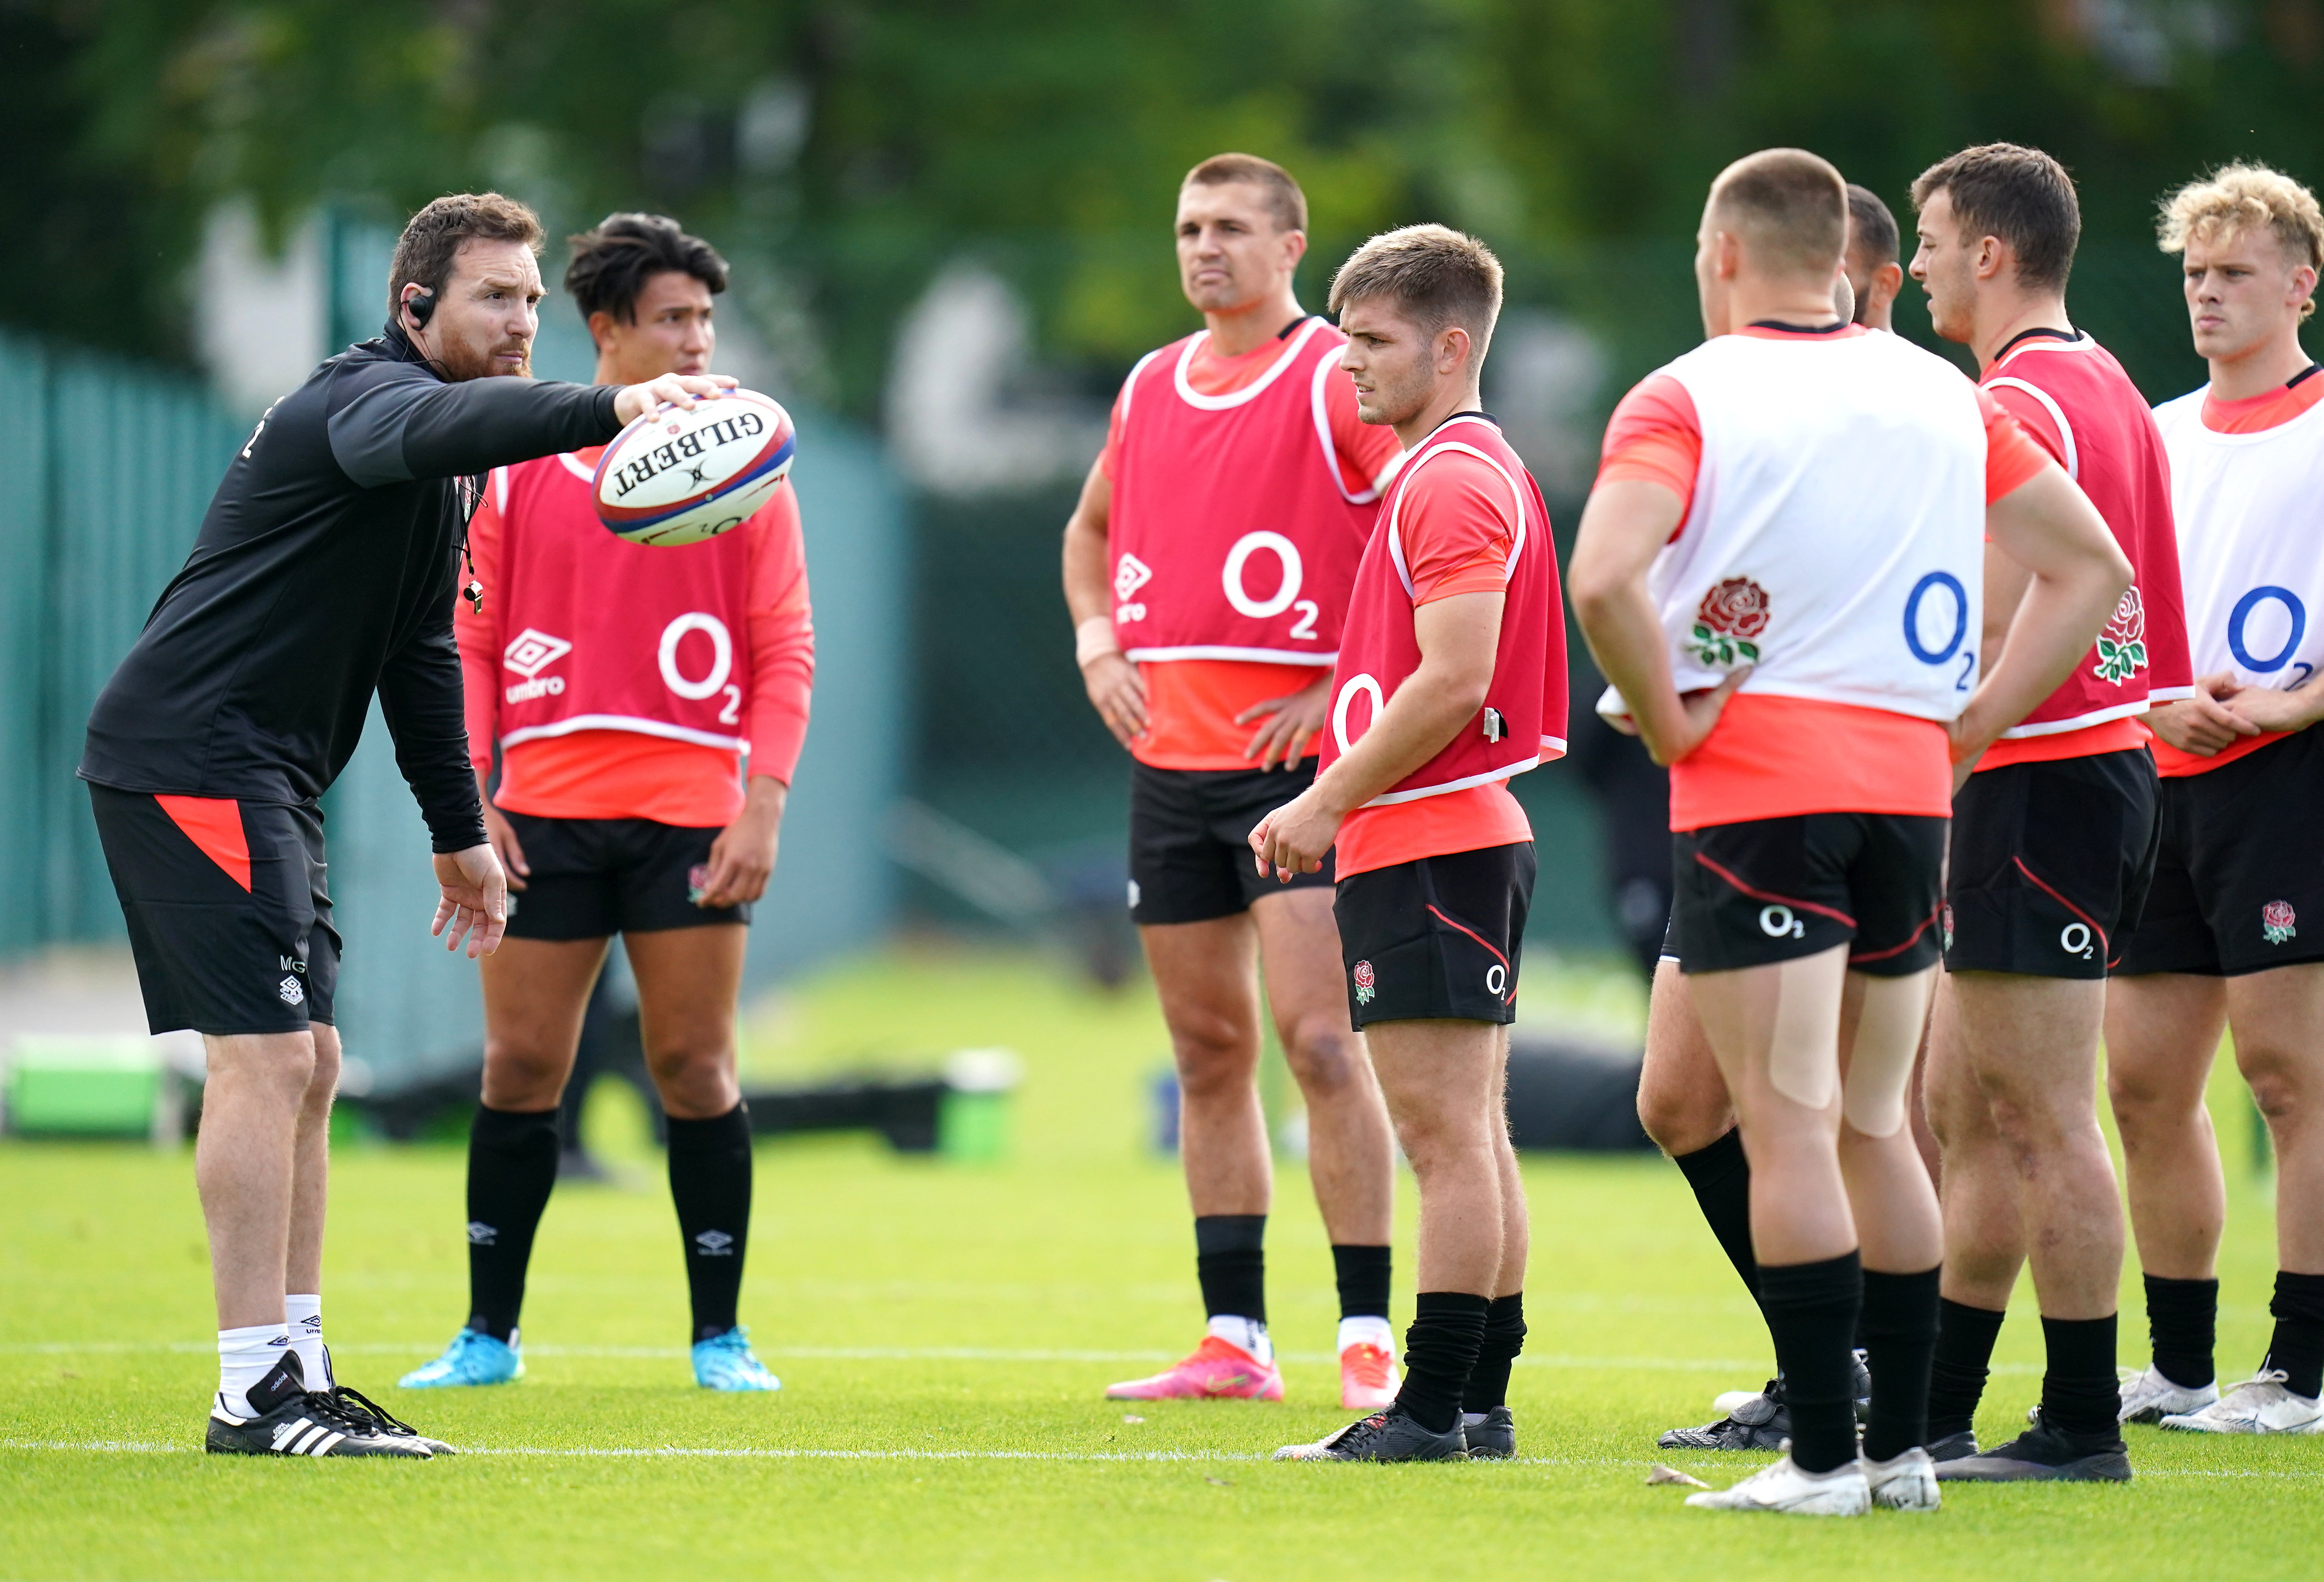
x=417 y=426
x=1624 y=526
x=2079 y=574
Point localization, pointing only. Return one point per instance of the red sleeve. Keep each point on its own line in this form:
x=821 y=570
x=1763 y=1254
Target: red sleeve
x=1368 y=452
x=782 y=637
x=1456 y=523
x=2040 y=424
x=478 y=635
x=1655 y=437
x=2010 y=457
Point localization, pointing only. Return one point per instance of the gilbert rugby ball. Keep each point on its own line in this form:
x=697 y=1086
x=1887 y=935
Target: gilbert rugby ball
x=676 y=476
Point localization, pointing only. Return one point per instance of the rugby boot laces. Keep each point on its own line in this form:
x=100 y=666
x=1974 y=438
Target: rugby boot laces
x=369 y=1413
x=1393 y=1435
x=1756 y=1423
x=1906 y=1482
x=2045 y=1453
x=474 y=1357
x=1784 y=1489
x=288 y=1420
x=2261 y=1405
x=1368 y=1378
x=1493 y=1440
x=1219 y=1370
x=726 y=1362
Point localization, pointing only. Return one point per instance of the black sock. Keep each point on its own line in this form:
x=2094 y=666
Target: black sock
x=1810 y=1312
x=2079 y=1393
x=2298 y=1346
x=511 y=1171
x=1965 y=1337
x=1230 y=1262
x=1362 y=1273
x=1440 y=1353
x=710 y=1184
x=1721 y=1178
x=2183 y=1320
x=1504 y=1339
x=1900 y=1338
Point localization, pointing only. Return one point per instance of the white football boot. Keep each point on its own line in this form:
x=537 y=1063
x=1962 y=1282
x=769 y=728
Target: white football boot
x=2149 y=1397
x=1902 y=1482
x=2256 y=1406
x=1785 y=1488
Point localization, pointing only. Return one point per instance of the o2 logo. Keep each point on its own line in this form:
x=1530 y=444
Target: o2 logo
x=722 y=664
x=1917 y=612
x=1777 y=923
x=1286 y=592
x=2074 y=939
x=2295 y=627
x=1497 y=978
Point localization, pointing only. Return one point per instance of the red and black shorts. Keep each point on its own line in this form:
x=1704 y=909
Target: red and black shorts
x=1438 y=938
x=1776 y=889
x=1189 y=841
x=2239 y=876
x=228 y=918
x=2050 y=864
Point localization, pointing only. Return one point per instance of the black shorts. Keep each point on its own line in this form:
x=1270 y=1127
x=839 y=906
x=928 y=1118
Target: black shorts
x=1438 y=938
x=593 y=878
x=2239 y=877
x=229 y=921
x=1189 y=830
x=2050 y=865
x=1776 y=889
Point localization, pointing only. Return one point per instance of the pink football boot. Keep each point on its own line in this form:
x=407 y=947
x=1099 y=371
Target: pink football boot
x=1367 y=1378
x=1220 y=1370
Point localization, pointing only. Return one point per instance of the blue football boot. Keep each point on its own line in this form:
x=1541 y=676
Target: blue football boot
x=474 y=1357
x=724 y=1362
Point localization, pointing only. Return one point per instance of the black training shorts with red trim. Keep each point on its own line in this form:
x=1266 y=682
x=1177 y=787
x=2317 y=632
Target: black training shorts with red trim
x=1189 y=841
x=1776 y=889
x=2051 y=863
x=1438 y=938
x=229 y=921
x=593 y=878
x=2239 y=874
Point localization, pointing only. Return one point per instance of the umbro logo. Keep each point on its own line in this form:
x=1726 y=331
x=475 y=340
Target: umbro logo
x=1129 y=575
x=482 y=1235
x=530 y=652
x=715 y=1244
x=290 y=991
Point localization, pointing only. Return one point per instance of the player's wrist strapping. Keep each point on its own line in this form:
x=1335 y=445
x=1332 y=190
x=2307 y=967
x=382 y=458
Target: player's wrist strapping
x=1094 y=639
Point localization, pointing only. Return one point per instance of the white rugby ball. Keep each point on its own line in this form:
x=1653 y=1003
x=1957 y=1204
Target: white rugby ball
x=679 y=476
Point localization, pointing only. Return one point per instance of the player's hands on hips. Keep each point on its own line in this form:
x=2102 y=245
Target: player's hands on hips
x=475 y=902
x=1293 y=838
x=1289 y=724
x=2206 y=724
x=742 y=857
x=1117 y=695
x=1699 y=714
x=671 y=390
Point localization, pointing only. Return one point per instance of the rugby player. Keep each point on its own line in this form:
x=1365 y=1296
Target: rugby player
x=324 y=574
x=1451 y=679
x=2234 y=929
x=1789 y=644
x=2052 y=842
x=1207 y=568
x=1682 y=1101
x=622 y=724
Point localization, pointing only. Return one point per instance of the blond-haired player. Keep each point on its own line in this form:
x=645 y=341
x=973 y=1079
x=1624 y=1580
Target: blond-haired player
x=2234 y=931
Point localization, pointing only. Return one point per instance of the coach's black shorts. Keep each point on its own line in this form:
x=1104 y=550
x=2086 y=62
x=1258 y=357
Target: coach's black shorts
x=2239 y=878
x=1438 y=938
x=1189 y=831
x=2051 y=863
x=1776 y=889
x=596 y=876
x=229 y=921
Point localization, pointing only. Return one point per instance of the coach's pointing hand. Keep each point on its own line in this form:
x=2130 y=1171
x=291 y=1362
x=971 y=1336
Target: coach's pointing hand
x=475 y=902
x=674 y=390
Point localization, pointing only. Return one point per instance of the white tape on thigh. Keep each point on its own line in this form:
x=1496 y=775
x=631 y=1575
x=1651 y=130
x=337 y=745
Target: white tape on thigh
x=1880 y=1065
x=1803 y=1045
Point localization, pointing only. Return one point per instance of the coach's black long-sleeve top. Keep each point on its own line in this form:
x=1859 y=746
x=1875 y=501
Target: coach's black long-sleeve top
x=325 y=571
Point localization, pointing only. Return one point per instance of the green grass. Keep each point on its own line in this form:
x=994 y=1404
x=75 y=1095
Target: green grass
x=943 y=1333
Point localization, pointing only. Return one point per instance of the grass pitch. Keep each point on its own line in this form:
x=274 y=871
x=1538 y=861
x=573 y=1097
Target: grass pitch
x=943 y=1333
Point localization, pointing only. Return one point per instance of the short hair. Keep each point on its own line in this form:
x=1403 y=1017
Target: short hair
x=2240 y=196
x=1871 y=226
x=2018 y=194
x=1789 y=205
x=430 y=243
x=1438 y=276
x=1283 y=198
x=611 y=263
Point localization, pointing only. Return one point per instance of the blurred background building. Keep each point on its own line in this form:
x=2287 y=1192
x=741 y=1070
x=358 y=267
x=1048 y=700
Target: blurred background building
x=949 y=224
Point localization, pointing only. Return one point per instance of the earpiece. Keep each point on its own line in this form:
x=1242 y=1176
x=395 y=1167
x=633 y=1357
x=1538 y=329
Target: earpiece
x=422 y=308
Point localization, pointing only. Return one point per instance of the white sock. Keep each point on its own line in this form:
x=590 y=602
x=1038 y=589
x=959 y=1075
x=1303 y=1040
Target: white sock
x=1367 y=1332
x=304 y=1316
x=1251 y=1334
x=245 y=1357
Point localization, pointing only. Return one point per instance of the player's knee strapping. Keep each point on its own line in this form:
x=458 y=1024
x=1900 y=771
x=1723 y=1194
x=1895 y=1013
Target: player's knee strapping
x=1880 y=1065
